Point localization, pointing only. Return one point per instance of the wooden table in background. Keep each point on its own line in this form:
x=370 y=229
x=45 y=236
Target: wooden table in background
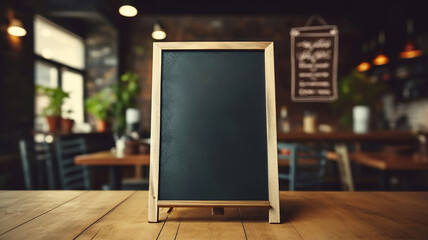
x=107 y=158
x=123 y=215
x=340 y=139
x=388 y=163
x=349 y=136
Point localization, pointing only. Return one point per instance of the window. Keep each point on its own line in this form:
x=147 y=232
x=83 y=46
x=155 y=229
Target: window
x=73 y=83
x=45 y=75
x=55 y=43
x=60 y=62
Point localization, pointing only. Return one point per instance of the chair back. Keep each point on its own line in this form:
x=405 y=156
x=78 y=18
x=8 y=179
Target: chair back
x=72 y=176
x=37 y=165
x=307 y=165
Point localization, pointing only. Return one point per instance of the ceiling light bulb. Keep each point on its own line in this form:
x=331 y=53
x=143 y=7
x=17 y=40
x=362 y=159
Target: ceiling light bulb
x=380 y=59
x=364 y=66
x=16 y=28
x=158 y=33
x=128 y=11
x=410 y=50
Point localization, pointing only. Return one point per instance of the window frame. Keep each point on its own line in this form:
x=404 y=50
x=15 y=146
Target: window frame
x=61 y=66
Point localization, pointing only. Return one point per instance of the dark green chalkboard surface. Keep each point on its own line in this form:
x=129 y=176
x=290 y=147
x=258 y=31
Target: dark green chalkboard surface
x=213 y=143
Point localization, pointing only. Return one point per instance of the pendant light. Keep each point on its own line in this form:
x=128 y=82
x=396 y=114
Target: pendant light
x=364 y=65
x=410 y=50
x=16 y=28
x=127 y=10
x=381 y=58
x=158 y=33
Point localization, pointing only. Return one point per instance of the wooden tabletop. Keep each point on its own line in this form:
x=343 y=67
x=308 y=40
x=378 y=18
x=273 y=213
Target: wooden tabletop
x=109 y=158
x=123 y=215
x=349 y=136
x=388 y=161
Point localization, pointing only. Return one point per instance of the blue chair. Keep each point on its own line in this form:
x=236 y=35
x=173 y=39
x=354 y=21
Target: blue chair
x=72 y=176
x=37 y=165
x=306 y=165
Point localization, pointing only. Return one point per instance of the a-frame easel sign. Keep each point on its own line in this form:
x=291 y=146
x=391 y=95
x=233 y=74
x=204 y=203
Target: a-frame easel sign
x=213 y=127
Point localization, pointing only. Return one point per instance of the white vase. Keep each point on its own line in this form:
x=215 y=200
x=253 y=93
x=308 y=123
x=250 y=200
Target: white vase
x=361 y=119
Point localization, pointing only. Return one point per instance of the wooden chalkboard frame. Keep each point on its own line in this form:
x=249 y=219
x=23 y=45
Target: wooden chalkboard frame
x=273 y=204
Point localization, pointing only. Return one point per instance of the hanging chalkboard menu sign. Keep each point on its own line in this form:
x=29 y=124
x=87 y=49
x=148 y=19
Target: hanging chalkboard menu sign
x=314 y=51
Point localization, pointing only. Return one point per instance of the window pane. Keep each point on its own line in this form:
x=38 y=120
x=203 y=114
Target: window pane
x=53 y=42
x=73 y=83
x=45 y=75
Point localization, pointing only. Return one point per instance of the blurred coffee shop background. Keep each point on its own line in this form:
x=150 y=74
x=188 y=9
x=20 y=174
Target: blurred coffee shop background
x=75 y=79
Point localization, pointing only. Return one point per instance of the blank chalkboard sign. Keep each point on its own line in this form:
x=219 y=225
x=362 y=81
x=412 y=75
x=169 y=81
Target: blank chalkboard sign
x=213 y=126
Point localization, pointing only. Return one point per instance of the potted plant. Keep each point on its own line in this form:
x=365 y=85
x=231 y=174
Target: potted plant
x=126 y=91
x=67 y=123
x=356 y=91
x=100 y=106
x=52 y=111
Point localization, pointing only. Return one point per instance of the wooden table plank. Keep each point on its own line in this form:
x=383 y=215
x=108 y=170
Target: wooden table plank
x=70 y=219
x=349 y=136
x=320 y=216
x=19 y=207
x=387 y=161
x=355 y=216
x=198 y=223
x=395 y=215
x=305 y=215
x=127 y=221
x=109 y=158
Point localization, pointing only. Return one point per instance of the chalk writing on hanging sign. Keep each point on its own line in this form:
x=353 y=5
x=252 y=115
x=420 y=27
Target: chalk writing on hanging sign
x=314 y=53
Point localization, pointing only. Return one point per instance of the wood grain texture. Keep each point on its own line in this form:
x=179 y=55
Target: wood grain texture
x=153 y=211
x=109 y=158
x=274 y=211
x=71 y=218
x=127 y=221
x=191 y=223
x=305 y=215
x=15 y=210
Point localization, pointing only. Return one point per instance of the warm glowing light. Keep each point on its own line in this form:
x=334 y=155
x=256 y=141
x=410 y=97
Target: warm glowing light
x=128 y=11
x=47 y=53
x=16 y=28
x=364 y=66
x=410 y=50
x=158 y=33
x=411 y=54
x=49 y=138
x=380 y=59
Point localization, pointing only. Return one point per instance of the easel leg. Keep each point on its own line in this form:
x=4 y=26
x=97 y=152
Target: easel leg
x=153 y=210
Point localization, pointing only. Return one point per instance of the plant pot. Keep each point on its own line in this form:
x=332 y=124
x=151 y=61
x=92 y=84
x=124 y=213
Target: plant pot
x=53 y=123
x=101 y=125
x=67 y=125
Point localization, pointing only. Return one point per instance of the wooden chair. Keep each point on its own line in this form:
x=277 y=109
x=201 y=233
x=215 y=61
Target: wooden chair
x=306 y=165
x=37 y=165
x=72 y=176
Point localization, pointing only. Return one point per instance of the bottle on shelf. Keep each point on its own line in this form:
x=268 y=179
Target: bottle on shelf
x=283 y=122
